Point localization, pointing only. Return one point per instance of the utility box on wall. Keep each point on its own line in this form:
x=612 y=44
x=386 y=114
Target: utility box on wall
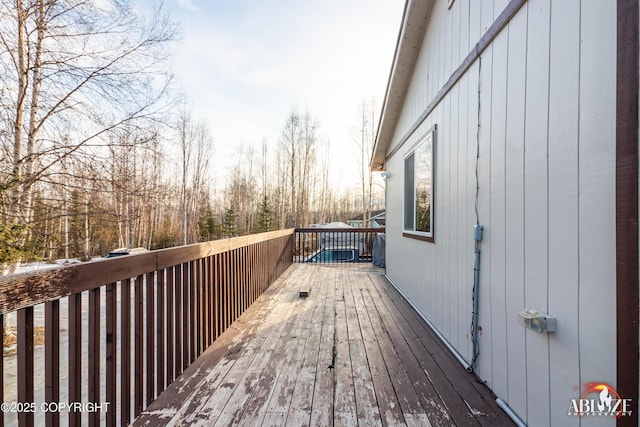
x=537 y=321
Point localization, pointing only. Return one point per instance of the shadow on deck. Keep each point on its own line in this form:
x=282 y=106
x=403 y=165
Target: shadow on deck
x=352 y=353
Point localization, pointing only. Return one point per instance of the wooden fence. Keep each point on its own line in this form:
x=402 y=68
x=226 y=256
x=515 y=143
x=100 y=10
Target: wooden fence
x=147 y=317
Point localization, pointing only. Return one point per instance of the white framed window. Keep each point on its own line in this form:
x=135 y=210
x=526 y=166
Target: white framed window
x=418 y=208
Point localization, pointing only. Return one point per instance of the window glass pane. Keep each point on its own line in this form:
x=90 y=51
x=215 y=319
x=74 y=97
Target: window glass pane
x=409 y=204
x=423 y=165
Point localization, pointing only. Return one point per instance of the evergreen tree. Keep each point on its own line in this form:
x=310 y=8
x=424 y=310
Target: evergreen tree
x=209 y=227
x=265 y=222
x=230 y=223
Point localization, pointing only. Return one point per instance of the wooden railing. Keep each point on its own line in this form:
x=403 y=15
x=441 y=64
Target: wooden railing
x=335 y=245
x=146 y=318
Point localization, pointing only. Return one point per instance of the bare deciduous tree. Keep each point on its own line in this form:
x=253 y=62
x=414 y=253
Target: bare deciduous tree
x=296 y=158
x=77 y=68
x=195 y=146
x=365 y=138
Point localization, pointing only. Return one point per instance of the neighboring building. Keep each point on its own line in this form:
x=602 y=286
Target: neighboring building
x=521 y=116
x=376 y=220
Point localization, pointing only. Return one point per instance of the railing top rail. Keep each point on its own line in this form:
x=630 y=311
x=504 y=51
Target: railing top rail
x=28 y=289
x=339 y=230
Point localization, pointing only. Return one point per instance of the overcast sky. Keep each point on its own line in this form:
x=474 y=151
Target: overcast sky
x=245 y=64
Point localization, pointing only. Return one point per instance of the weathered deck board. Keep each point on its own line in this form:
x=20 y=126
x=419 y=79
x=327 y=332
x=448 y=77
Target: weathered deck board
x=351 y=353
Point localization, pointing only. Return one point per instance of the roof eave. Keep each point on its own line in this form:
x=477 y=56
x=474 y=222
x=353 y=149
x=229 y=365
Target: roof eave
x=414 y=22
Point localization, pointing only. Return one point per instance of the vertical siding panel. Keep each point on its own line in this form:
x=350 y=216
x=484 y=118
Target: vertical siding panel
x=484 y=204
x=470 y=193
x=514 y=211
x=433 y=54
x=463 y=30
x=463 y=207
x=498 y=7
x=597 y=230
x=536 y=201
x=455 y=37
x=454 y=268
x=563 y=203
x=486 y=16
x=475 y=17
x=443 y=241
x=393 y=203
x=497 y=232
x=426 y=64
x=439 y=48
x=448 y=46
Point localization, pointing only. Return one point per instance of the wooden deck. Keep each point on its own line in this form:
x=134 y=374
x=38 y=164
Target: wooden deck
x=352 y=353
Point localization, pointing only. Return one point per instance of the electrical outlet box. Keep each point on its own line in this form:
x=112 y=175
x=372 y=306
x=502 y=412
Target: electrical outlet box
x=537 y=321
x=477 y=232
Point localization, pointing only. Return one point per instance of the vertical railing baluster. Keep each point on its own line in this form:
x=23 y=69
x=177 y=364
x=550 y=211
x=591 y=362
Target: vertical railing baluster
x=185 y=316
x=224 y=303
x=197 y=284
x=192 y=311
x=255 y=272
x=177 y=299
x=161 y=314
x=211 y=321
x=75 y=356
x=150 y=323
x=228 y=289
x=244 y=259
x=137 y=351
x=203 y=305
x=25 y=364
x=51 y=359
x=237 y=283
x=125 y=352
x=93 y=388
x=236 y=297
x=111 y=332
x=247 y=275
x=218 y=293
x=210 y=313
x=170 y=324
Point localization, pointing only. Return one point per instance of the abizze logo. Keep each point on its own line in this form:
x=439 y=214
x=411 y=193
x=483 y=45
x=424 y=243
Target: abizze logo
x=600 y=400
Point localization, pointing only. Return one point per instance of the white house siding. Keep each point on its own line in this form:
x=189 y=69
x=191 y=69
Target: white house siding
x=546 y=198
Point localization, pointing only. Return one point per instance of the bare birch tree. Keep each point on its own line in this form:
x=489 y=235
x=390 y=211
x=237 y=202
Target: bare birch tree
x=365 y=138
x=297 y=158
x=72 y=67
x=195 y=145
